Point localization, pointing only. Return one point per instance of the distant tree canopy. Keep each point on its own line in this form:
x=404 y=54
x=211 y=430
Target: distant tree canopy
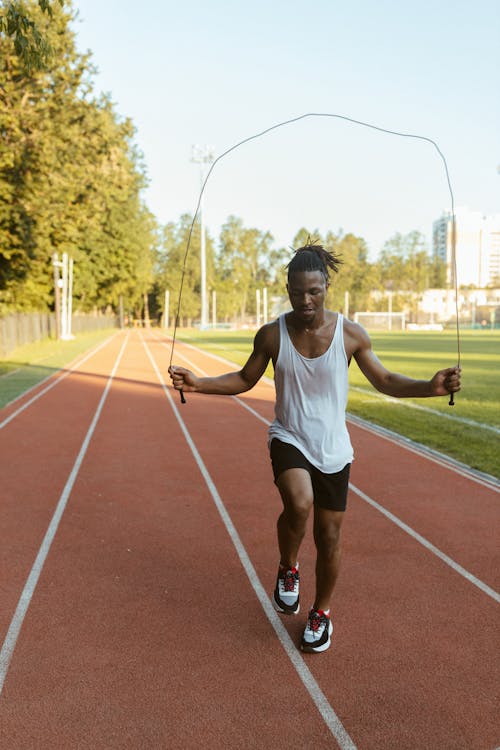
x=70 y=179
x=17 y=22
x=243 y=260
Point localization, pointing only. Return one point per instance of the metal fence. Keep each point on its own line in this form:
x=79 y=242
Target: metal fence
x=24 y=328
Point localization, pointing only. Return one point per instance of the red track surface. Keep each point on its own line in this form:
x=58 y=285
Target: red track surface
x=143 y=631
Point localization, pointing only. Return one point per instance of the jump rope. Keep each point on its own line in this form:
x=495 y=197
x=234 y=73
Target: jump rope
x=355 y=122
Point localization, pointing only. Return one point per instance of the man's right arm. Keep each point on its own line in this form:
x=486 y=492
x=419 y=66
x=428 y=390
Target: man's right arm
x=230 y=383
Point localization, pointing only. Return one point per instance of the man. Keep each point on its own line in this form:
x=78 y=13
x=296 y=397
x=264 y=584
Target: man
x=311 y=453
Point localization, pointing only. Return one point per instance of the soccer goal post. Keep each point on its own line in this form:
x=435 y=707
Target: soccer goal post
x=381 y=321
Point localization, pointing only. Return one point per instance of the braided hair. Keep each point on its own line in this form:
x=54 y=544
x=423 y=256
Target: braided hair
x=314 y=257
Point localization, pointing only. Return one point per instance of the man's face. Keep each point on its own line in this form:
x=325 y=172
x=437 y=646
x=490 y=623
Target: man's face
x=307 y=291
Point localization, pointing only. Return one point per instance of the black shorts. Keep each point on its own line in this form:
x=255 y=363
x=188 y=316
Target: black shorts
x=330 y=490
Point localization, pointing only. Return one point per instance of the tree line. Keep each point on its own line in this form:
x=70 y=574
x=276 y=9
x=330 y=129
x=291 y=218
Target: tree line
x=244 y=260
x=72 y=180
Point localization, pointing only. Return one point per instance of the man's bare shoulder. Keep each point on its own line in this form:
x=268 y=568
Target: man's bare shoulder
x=356 y=337
x=267 y=338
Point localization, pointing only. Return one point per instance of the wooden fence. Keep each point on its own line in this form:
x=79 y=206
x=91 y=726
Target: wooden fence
x=24 y=328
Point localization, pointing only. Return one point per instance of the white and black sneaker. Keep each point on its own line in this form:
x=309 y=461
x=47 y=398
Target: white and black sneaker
x=286 y=593
x=317 y=635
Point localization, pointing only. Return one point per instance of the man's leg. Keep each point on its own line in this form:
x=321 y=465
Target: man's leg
x=296 y=492
x=327 y=537
x=327 y=533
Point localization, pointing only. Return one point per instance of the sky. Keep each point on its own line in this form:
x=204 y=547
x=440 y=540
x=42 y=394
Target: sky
x=215 y=73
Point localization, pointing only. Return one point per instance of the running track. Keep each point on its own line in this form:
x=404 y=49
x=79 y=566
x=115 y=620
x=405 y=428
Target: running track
x=128 y=620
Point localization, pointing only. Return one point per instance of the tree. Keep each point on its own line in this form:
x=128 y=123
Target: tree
x=355 y=276
x=245 y=261
x=171 y=271
x=70 y=181
x=18 y=23
x=404 y=266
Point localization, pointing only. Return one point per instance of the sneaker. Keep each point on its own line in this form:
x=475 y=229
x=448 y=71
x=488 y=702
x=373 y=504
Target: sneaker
x=318 y=630
x=286 y=593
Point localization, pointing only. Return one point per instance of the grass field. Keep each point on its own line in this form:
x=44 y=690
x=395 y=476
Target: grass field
x=468 y=431
x=30 y=364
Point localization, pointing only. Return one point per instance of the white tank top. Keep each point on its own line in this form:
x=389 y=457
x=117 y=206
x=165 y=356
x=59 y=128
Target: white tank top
x=311 y=400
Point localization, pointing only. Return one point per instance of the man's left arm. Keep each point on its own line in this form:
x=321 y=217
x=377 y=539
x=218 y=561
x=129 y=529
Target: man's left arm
x=392 y=383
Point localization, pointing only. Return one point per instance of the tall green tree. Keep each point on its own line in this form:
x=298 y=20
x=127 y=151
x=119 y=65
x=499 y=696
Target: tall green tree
x=174 y=268
x=406 y=268
x=70 y=181
x=356 y=274
x=18 y=23
x=246 y=260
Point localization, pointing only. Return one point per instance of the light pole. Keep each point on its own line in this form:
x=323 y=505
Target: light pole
x=63 y=295
x=202 y=155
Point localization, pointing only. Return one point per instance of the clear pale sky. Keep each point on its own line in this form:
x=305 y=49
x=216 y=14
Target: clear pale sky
x=214 y=73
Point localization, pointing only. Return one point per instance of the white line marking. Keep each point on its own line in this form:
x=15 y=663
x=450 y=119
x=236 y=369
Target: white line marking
x=400 y=440
x=233 y=365
x=11 y=372
x=414 y=534
x=375 y=394
x=329 y=716
x=427 y=409
x=428 y=545
x=29 y=588
x=239 y=400
x=488 y=480
x=50 y=386
x=34 y=362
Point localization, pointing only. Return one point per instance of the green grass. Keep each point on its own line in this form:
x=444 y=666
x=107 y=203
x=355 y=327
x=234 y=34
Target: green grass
x=29 y=364
x=418 y=354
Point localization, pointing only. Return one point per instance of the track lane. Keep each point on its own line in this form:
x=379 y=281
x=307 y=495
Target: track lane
x=21 y=402
x=451 y=508
x=143 y=626
x=38 y=449
x=410 y=654
x=382 y=676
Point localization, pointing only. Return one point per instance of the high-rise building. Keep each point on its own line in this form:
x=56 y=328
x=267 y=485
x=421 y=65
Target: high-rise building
x=477 y=247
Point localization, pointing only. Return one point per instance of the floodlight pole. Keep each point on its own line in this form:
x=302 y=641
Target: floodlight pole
x=202 y=155
x=56 y=264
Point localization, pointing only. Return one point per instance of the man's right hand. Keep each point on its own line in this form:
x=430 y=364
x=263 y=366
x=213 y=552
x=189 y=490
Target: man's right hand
x=182 y=379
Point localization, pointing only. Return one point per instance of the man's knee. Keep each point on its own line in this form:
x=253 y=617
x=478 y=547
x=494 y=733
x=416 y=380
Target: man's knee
x=297 y=495
x=298 y=513
x=327 y=533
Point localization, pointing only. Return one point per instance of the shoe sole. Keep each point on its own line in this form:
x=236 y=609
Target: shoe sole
x=319 y=649
x=282 y=611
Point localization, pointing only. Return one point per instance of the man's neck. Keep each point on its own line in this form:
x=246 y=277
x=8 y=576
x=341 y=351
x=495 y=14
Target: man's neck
x=319 y=321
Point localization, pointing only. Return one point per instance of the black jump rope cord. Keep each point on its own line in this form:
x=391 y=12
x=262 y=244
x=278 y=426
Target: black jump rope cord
x=356 y=122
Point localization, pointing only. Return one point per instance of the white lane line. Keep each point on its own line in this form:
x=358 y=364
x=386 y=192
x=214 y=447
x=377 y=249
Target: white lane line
x=239 y=400
x=375 y=394
x=232 y=365
x=29 y=588
x=402 y=525
x=329 y=716
x=487 y=480
x=428 y=545
x=50 y=386
x=401 y=440
x=427 y=409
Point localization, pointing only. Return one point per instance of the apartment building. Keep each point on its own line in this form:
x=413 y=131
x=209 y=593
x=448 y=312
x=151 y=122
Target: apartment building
x=477 y=247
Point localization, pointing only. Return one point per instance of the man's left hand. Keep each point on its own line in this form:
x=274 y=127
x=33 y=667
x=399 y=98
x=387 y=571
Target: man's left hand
x=446 y=381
